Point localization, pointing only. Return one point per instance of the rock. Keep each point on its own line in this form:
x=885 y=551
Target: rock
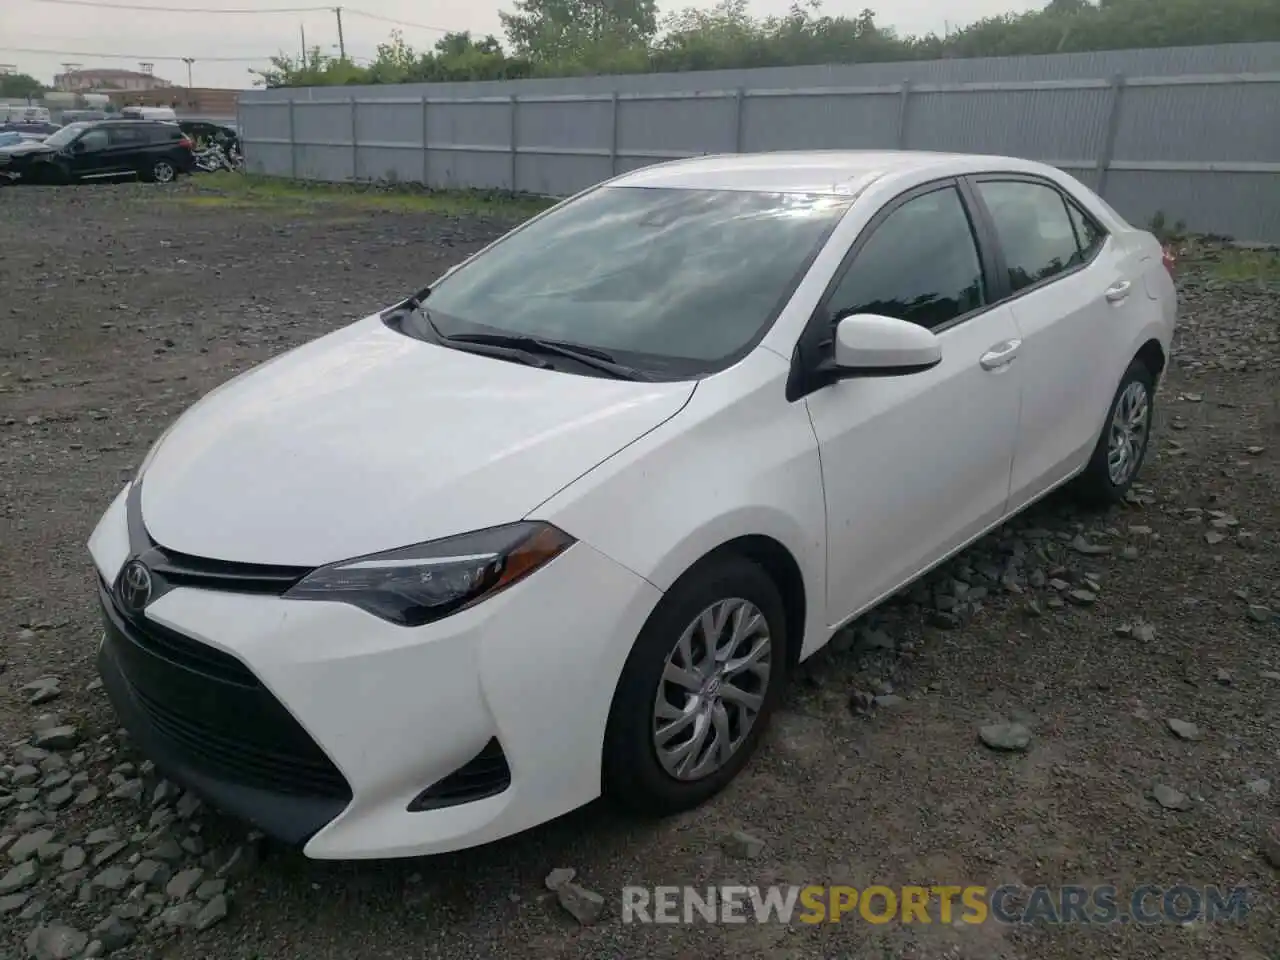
x=24 y=774
x=188 y=806
x=243 y=858
x=558 y=877
x=584 y=905
x=184 y=884
x=1271 y=846
x=889 y=700
x=42 y=690
x=1259 y=788
x=1183 y=730
x=129 y=790
x=165 y=848
x=180 y=915
x=152 y=872
x=20 y=877
x=63 y=737
x=56 y=941
x=14 y=902
x=1170 y=798
x=87 y=796
x=212 y=888
x=1082 y=546
x=73 y=858
x=165 y=792
x=1258 y=613
x=113 y=878
x=1213 y=538
x=60 y=797
x=216 y=910
x=50 y=852
x=101 y=836
x=1007 y=737
x=743 y=845
x=1082 y=597
x=28 y=844
x=114 y=933
x=1144 y=632
x=109 y=851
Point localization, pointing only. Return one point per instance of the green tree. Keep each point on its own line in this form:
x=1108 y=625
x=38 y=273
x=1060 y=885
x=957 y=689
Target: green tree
x=19 y=85
x=565 y=31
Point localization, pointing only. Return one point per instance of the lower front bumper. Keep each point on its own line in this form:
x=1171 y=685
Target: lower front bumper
x=217 y=731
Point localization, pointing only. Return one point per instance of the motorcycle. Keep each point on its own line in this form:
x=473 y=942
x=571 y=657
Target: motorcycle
x=213 y=157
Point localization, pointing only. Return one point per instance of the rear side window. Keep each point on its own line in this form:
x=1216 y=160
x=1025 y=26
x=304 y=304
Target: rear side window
x=1089 y=236
x=920 y=264
x=1034 y=230
x=165 y=133
x=126 y=136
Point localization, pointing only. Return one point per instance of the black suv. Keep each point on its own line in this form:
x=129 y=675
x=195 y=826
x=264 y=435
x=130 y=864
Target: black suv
x=102 y=149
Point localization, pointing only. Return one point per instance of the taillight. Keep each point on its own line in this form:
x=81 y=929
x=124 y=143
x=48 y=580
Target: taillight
x=1169 y=260
x=186 y=142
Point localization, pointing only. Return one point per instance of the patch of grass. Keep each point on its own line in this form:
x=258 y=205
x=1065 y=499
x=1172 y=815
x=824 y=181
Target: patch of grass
x=1236 y=264
x=232 y=190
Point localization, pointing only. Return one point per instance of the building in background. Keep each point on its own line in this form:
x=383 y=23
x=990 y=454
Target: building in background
x=81 y=81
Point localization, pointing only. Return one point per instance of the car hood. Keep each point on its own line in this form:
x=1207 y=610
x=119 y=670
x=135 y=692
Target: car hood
x=23 y=147
x=366 y=440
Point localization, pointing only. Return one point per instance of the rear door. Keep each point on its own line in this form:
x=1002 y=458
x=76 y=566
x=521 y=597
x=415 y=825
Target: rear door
x=129 y=147
x=1071 y=287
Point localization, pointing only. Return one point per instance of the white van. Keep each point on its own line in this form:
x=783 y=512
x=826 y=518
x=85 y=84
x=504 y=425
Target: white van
x=148 y=113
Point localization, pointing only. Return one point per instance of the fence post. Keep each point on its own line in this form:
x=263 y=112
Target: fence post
x=426 y=156
x=904 y=101
x=515 y=107
x=293 y=146
x=613 y=142
x=1106 y=154
x=739 y=134
x=355 y=142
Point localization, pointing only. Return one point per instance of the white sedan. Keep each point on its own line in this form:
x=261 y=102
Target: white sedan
x=563 y=523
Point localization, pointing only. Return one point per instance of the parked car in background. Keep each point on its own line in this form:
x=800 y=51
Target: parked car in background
x=30 y=129
x=148 y=113
x=102 y=150
x=78 y=116
x=564 y=521
x=211 y=131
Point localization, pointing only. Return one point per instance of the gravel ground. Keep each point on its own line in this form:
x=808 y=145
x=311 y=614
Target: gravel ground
x=119 y=306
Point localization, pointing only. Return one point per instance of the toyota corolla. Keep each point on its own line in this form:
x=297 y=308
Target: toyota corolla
x=562 y=523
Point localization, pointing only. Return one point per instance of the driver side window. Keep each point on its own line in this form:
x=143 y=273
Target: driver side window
x=93 y=141
x=921 y=264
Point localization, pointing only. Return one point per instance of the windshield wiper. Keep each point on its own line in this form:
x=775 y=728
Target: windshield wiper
x=587 y=356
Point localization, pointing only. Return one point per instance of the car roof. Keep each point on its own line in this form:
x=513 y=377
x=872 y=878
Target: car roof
x=838 y=172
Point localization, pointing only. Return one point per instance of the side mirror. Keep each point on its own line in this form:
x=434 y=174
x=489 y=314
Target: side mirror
x=883 y=346
x=77 y=147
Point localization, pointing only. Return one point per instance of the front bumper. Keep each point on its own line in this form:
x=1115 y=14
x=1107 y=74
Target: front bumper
x=322 y=724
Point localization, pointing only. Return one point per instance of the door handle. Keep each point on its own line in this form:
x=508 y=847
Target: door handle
x=1001 y=355
x=1118 y=291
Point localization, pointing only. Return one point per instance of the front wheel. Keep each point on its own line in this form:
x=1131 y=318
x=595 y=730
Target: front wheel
x=1122 y=447
x=698 y=689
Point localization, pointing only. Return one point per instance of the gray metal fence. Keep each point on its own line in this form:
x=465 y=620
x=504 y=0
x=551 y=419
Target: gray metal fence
x=1193 y=133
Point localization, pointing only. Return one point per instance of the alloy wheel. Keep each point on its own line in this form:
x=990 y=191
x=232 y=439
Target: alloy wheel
x=163 y=172
x=1130 y=424
x=712 y=689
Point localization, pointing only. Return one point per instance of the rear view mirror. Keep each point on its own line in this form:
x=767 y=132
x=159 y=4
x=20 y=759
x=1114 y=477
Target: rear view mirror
x=871 y=344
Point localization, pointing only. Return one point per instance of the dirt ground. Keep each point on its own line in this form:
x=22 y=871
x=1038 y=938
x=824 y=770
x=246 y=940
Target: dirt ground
x=120 y=306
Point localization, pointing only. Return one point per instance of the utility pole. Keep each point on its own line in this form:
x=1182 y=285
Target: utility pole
x=302 y=29
x=342 y=43
x=189 y=61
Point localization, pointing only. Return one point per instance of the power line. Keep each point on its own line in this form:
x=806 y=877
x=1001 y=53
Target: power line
x=136 y=56
x=111 y=5
x=156 y=8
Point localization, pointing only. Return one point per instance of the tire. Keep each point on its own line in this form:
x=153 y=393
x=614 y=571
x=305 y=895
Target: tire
x=633 y=775
x=1099 y=484
x=161 y=171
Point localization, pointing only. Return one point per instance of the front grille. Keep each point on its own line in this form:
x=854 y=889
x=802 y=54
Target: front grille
x=174 y=647
x=485 y=775
x=207 y=709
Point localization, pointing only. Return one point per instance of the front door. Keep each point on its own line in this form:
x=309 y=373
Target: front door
x=90 y=154
x=914 y=466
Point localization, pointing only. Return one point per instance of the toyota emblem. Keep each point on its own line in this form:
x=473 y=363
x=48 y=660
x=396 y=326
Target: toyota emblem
x=135 y=586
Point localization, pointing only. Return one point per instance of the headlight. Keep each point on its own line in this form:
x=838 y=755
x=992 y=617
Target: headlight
x=415 y=585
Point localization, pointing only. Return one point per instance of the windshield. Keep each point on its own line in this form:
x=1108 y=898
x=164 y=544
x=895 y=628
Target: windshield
x=671 y=280
x=66 y=134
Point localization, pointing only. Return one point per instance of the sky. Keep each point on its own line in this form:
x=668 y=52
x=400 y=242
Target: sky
x=82 y=33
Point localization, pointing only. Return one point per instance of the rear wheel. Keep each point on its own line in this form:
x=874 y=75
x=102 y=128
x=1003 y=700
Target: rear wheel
x=1122 y=447
x=162 y=171
x=698 y=689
